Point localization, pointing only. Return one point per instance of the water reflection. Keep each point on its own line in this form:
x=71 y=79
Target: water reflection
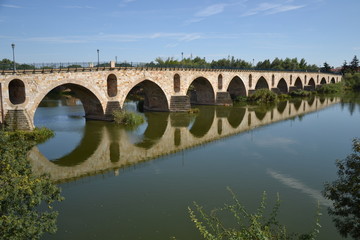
x=106 y=146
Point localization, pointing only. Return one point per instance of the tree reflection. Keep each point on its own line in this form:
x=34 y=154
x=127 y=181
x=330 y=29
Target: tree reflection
x=345 y=194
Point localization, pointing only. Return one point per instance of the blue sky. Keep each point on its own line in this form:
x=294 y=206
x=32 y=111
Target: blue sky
x=142 y=30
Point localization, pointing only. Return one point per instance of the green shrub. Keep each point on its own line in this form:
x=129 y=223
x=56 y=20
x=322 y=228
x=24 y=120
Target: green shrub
x=352 y=81
x=26 y=200
x=330 y=88
x=245 y=225
x=344 y=192
x=128 y=118
x=263 y=96
x=38 y=135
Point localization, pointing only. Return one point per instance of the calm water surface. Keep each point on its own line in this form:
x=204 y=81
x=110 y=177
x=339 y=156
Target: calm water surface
x=137 y=184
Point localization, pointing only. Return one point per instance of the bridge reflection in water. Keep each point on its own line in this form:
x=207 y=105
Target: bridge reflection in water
x=106 y=146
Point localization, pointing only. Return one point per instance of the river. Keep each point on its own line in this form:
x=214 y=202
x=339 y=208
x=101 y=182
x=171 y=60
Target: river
x=122 y=183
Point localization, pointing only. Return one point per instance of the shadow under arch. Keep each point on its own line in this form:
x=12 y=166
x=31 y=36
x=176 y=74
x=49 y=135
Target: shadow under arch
x=201 y=92
x=282 y=86
x=156 y=126
x=203 y=121
x=323 y=81
x=90 y=142
x=298 y=84
x=152 y=94
x=261 y=83
x=236 y=88
x=312 y=83
x=91 y=104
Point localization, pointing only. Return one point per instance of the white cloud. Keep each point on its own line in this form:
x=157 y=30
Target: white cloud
x=9 y=6
x=79 y=7
x=180 y=37
x=125 y=2
x=271 y=8
x=211 y=10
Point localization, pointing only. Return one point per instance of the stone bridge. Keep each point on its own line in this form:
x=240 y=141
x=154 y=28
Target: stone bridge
x=106 y=147
x=103 y=90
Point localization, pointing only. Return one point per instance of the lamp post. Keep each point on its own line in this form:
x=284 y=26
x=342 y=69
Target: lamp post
x=98 y=57
x=13 y=50
x=182 y=59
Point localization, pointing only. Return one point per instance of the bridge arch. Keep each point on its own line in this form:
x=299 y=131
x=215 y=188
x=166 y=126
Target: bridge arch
x=17 y=93
x=154 y=97
x=261 y=83
x=92 y=101
x=311 y=83
x=323 y=81
x=298 y=83
x=282 y=86
x=201 y=92
x=332 y=80
x=236 y=87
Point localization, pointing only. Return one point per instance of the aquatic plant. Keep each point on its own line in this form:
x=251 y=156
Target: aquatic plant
x=263 y=96
x=128 y=118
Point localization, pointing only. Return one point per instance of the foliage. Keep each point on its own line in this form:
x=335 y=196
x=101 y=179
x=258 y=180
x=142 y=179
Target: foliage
x=74 y=66
x=353 y=67
x=128 y=118
x=345 y=194
x=23 y=196
x=330 y=88
x=245 y=225
x=287 y=64
x=352 y=81
x=263 y=96
x=326 y=67
x=300 y=93
x=38 y=135
x=194 y=110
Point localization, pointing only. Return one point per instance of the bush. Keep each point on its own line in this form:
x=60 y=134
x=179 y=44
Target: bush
x=26 y=201
x=263 y=96
x=38 y=135
x=345 y=194
x=330 y=88
x=352 y=81
x=128 y=118
x=246 y=226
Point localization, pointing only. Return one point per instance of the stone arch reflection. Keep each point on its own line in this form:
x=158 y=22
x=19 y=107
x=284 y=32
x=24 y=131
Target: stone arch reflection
x=203 y=121
x=89 y=143
x=156 y=126
x=281 y=106
x=236 y=116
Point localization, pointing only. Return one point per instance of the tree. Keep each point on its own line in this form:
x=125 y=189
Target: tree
x=354 y=64
x=326 y=67
x=345 y=193
x=21 y=193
